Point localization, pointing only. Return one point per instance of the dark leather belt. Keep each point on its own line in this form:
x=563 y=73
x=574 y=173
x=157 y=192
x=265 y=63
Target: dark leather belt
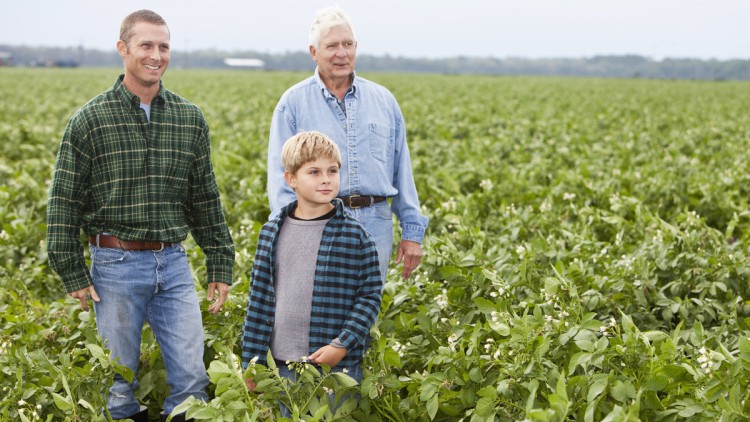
x=360 y=201
x=108 y=241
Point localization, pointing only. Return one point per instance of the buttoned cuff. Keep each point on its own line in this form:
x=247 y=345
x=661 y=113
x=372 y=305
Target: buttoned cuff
x=412 y=232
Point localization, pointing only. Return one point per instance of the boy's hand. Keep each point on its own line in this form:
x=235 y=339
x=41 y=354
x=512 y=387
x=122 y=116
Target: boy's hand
x=328 y=355
x=250 y=385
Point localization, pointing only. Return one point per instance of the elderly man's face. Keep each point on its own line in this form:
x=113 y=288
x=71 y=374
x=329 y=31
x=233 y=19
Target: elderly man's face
x=336 y=55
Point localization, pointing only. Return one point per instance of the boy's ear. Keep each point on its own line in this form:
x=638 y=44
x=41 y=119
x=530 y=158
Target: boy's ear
x=290 y=180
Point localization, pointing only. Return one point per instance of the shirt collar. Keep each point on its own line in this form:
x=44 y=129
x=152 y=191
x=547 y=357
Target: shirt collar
x=327 y=92
x=286 y=210
x=133 y=100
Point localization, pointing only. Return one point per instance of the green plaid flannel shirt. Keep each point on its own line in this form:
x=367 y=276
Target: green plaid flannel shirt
x=117 y=173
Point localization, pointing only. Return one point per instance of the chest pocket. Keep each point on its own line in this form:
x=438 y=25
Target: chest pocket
x=381 y=141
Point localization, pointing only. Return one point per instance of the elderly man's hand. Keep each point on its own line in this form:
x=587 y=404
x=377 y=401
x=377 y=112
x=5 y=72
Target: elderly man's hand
x=411 y=253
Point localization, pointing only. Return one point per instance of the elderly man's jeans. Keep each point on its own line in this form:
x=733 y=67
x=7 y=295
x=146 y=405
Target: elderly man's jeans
x=377 y=219
x=155 y=287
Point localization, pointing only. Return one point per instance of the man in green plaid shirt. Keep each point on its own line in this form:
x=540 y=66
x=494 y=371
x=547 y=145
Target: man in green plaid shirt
x=134 y=173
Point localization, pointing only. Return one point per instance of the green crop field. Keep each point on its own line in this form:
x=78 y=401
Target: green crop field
x=588 y=255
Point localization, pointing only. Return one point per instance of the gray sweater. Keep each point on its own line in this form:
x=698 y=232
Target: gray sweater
x=296 y=256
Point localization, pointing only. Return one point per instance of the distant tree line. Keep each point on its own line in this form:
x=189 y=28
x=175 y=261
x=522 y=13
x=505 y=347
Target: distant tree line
x=627 y=66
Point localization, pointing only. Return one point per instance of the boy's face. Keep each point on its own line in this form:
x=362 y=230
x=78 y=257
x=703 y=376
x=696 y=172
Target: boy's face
x=316 y=183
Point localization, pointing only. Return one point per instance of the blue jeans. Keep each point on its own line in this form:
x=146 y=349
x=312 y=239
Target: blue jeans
x=378 y=221
x=155 y=287
x=353 y=371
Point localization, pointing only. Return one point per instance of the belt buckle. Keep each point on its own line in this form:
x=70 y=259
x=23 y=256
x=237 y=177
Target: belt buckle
x=350 y=201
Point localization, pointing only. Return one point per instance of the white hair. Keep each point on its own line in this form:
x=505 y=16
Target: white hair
x=325 y=19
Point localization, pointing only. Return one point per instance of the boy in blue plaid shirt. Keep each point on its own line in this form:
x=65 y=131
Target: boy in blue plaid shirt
x=316 y=285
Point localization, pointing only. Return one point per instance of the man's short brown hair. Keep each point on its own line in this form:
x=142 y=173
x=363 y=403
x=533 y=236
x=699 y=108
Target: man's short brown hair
x=126 y=29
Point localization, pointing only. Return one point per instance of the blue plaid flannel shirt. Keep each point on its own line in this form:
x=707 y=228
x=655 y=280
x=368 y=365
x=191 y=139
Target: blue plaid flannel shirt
x=346 y=292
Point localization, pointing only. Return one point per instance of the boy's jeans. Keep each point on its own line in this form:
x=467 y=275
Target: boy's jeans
x=155 y=287
x=378 y=221
x=353 y=371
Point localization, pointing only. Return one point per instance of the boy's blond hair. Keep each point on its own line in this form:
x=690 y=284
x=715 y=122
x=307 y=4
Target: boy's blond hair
x=305 y=147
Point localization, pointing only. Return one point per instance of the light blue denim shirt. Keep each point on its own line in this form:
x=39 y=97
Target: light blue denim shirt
x=371 y=137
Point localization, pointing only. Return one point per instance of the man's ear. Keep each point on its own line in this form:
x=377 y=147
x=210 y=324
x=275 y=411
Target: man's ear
x=290 y=180
x=313 y=52
x=122 y=48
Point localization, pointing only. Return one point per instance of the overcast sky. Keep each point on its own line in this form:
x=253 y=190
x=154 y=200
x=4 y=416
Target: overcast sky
x=704 y=29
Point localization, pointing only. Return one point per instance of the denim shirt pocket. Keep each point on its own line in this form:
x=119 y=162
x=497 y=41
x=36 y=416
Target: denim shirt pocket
x=381 y=141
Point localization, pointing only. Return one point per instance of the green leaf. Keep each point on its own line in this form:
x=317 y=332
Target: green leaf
x=87 y=405
x=485 y=406
x=597 y=388
x=392 y=358
x=344 y=379
x=62 y=403
x=485 y=306
x=218 y=370
x=744 y=346
x=622 y=391
x=690 y=410
x=432 y=406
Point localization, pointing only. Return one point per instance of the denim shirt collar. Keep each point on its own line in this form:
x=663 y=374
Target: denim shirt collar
x=327 y=92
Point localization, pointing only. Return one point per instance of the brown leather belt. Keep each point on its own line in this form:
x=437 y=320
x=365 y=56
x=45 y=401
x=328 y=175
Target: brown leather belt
x=108 y=241
x=360 y=201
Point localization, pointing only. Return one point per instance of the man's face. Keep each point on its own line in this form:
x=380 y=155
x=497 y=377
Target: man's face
x=337 y=53
x=146 y=55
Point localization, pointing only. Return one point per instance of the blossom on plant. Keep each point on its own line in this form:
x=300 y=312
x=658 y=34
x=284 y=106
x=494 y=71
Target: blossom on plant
x=486 y=184
x=615 y=204
x=545 y=206
x=452 y=340
x=521 y=251
x=449 y=205
x=569 y=196
x=442 y=300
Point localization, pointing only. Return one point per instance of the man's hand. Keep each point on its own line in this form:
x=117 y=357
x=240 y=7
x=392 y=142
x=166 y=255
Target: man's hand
x=328 y=355
x=83 y=294
x=223 y=290
x=411 y=253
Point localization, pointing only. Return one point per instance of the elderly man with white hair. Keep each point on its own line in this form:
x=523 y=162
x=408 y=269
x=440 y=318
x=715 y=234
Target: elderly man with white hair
x=365 y=121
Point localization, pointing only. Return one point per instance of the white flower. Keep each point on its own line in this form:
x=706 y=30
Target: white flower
x=569 y=196
x=486 y=184
x=21 y=402
x=521 y=250
x=545 y=206
x=449 y=205
x=442 y=300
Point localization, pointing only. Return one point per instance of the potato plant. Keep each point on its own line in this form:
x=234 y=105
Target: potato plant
x=587 y=255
